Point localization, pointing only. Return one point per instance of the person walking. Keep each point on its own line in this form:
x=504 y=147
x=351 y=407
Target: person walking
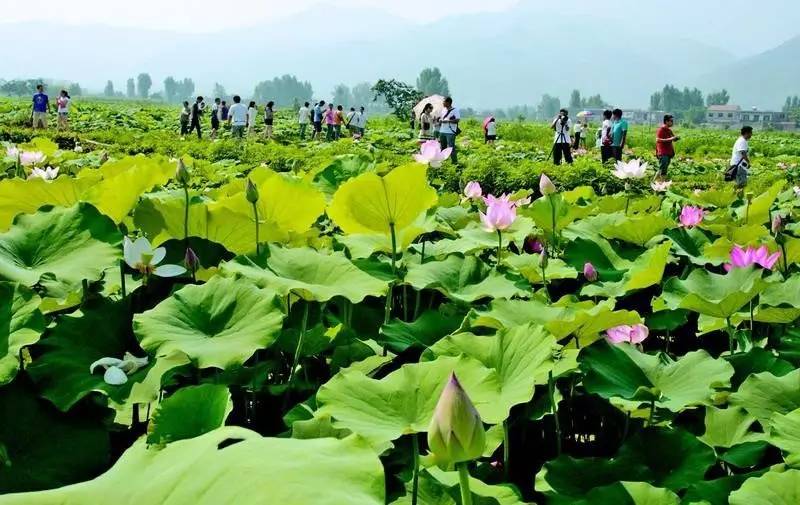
x=739 y=167
x=362 y=121
x=665 y=148
x=62 y=107
x=318 y=114
x=186 y=113
x=562 y=126
x=448 y=129
x=197 y=111
x=215 y=117
x=237 y=117
x=605 y=140
x=303 y=118
x=269 y=119
x=330 y=120
x=426 y=123
x=578 y=135
x=252 y=112
x=619 y=134
x=338 y=121
x=39 y=109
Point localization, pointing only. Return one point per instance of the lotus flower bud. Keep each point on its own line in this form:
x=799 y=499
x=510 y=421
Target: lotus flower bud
x=191 y=260
x=777 y=224
x=532 y=245
x=546 y=186
x=456 y=432
x=543 y=259
x=251 y=192
x=589 y=272
x=182 y=173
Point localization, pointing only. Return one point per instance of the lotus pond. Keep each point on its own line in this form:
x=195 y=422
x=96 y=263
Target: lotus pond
x=196 y=323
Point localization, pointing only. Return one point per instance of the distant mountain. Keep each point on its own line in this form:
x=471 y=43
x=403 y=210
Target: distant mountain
x=762 y=81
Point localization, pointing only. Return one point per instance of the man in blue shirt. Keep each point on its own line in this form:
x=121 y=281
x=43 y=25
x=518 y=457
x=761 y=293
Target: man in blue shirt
x=619 y=134
x=41 y=104
x=318 y=109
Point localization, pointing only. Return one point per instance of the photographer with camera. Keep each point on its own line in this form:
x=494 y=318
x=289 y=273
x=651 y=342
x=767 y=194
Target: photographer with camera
x=561 y=144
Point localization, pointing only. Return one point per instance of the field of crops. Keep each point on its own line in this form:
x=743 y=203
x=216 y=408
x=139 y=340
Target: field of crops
x=287 y=322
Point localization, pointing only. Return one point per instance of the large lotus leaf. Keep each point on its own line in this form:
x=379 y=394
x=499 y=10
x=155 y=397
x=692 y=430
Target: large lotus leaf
x=482 y=239
x=437 y=487
x=285 y=202
x=370 y=203
x=621 y=371
x=426 y=330
x=21 y=324
x=722 y=198
x=365 y=245
x=312 y=275
x=341 y=169
x=402 y=403
x=716 y=491
x=690 y=242
x=673 y=459
x=464 y=279
x=638 y=230
x=621 y=493
x=59 y=248
x=232 y=465
x=528 y=266
x=521 y=357
x=544 y=210
x=218 y=324
x=44 y=448
x=646 y=271
x=784 y=433
x=190 y=412
x=61 y=368
x=587 y=244
x=764 y=394
x=772 y=488
x=124 y=181
x=757 y=211
x=18 y=196
x=712 y=294
x=781 y=300
x=160 y=216
x=728 y=427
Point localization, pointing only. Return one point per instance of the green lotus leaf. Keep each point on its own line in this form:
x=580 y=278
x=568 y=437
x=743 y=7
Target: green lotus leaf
x=528 y=266
x=638 y=230
x=628 y=493
x=772 y=488
x=44 y=448
x=370 y=203
x=232 y=465
x=464 y=279
x=757 y=211
x=690 y=243
x=428 y=328
x=59 y=248
x=365 y=245
x=621 y=371
x=312 y=275
x=712 y=294
x=65 y=355
x=720 y=198
x=520 y=357
x=219 y=324
x=646 y=271
x=342 y=168
x=716 y=491
x=587 y=244
x=784 y=433
x=437 y=487
x=728 y=427
x=544 y=209
x=45 y=145
x=160 y=216
x=18 y=196
x=21 y=324
x=764 y=395
x=190 y=412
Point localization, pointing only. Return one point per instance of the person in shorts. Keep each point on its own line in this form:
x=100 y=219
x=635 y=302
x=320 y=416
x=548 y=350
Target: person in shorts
x=665 y=149
x=41 y=104
x=62 y=105
x=237 y=117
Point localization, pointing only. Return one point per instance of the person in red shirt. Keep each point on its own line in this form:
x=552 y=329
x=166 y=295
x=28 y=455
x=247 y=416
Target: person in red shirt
x=665 y=150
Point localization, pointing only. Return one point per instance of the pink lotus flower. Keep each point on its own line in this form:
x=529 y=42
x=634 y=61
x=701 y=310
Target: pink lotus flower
x=473 y=190
x=634 y=334
x=633 y=169
x=661 y=186
x=590 y=272
x=500 y=213
x=28 y=158
x=744 y=258
x=432 y=154
x=691 y=216
x=546 y=186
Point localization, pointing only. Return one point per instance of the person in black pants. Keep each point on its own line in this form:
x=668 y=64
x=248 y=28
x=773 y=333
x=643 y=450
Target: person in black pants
x=197 y=110
x=561 y=144
x=606 y=151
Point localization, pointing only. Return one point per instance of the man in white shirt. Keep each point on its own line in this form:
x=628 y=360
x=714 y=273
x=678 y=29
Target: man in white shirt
x=237 y=117
x=740 y=159
x=362 y=120
x=303 y=118
x=350 y=121
x=561 y=143
x=448 y=130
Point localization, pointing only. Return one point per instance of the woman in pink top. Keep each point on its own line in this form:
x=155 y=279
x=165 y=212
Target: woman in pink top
x=330 y=121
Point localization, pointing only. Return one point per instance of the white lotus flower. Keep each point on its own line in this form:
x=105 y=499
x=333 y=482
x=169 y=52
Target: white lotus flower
x=796 y=190
x=661 y=186
x=633 y=169
x=28 y=158
x=48 y=174
x=141 y=256
x=118 y=370
x=78 y=148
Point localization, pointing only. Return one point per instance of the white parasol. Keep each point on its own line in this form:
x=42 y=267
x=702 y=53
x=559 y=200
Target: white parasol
x=436 y=100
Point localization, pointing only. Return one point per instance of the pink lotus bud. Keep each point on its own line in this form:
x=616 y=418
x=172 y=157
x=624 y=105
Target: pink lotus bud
x=191 y=260
x=182 y=173
x=777 y=224
x=589 y=272
x=546 y=186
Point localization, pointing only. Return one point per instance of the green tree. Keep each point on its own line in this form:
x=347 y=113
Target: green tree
x=399 y=96
x=548 y=107
x=718 y=98
x=575 y=101
x=657 y=101
x=283 y=91
x=185 y=89
x=431 y=82
x=342 y=95
x=74 y=89
x=109 y=89
x=170 y=89
x=219 y=91
x=593 y=101
x=130 y=90
x=143 y=84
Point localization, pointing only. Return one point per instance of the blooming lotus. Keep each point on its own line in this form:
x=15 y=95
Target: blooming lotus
x=500 y=213
x=456 y=432
x=473 y=190
x=546 y=186
x=118 y=370
x=743 y=258
x=633 y=169
x=661 y=186
x=691 y=216
x=432 y=154
x=47 y=174
x=590 y=272
x=28 y=158
x=141 y=256
x=633 y=334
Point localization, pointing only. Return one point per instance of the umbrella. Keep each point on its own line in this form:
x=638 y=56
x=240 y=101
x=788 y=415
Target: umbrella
x=585 y=113
x=436 y=100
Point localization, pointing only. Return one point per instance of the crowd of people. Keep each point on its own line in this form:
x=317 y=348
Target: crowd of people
x=611 y=136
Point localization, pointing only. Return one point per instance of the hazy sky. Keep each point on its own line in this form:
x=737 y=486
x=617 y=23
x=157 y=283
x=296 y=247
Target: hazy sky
x=178 y=15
